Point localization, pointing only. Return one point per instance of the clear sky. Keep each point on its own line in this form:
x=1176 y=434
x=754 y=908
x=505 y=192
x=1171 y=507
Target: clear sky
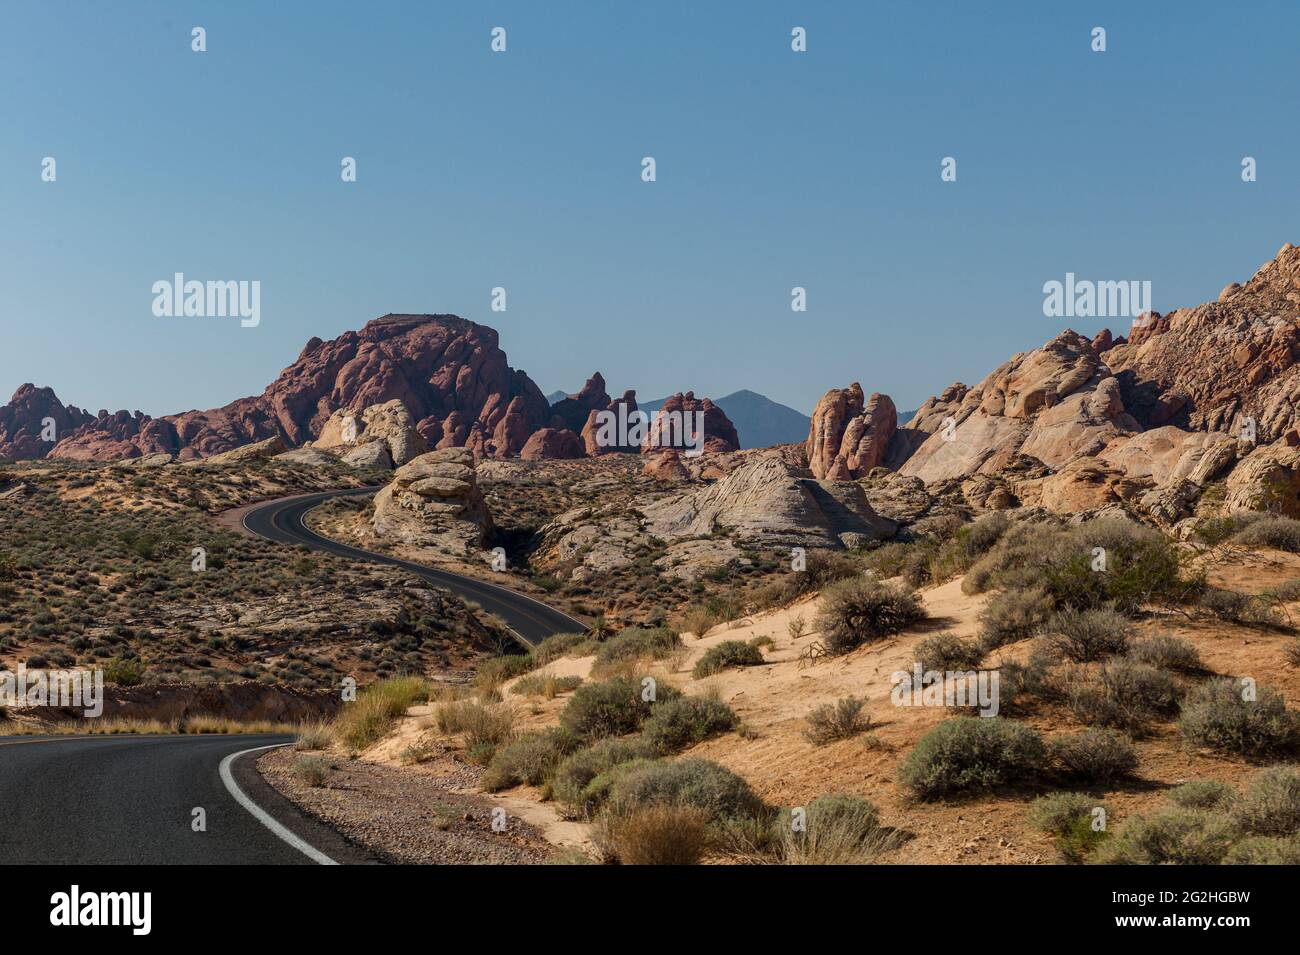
x=522 y=170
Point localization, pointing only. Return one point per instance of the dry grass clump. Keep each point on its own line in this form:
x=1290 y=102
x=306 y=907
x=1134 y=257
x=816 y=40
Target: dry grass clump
x=367 y=719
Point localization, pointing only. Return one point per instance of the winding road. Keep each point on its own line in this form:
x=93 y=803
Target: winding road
x=531 y=620
x=132 y=800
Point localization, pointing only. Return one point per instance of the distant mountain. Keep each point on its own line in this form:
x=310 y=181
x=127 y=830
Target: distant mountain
x=555 y=396
x=759 y=420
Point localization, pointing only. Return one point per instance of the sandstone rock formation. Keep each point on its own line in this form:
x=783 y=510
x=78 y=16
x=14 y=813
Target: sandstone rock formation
x=675 y=424
x=23 y=420
x=768 y=502
x=623 y=409
x=434 y=502
x=574 y=409
x=552 y=444
x=258 y=450
x=848 y=437
x=388 y=425
x=1267 y=479
x=450 y=374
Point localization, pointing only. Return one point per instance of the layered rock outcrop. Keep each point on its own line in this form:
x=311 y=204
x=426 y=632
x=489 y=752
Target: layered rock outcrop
x=849 y=435
x=388 y=425
x=434 y=502
x=687 y=422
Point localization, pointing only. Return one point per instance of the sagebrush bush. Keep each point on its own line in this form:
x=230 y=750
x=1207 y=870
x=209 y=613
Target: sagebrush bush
x=837 y=830
x=564 y=645
x=1069 y=819
x=1087 y=635
x=729 y=653
x=684 y=782
x=614 y=707
x=312 y=770
x=1280 y=533
x=687 y=720
x=839 y=720
x=528 y=759
x=1095 y=756
x=854 y=612
x=1013 y=615
x=1171 y=837
x=636 y=643
x=1270 y=806
x=1263 y=850
x=1124 y=694
x=546 y=685
x=1236 y=607
x=365 y=720
x=494 y=671
x=1216 y=715
x=1202 y=794
x=1166 y=652
x=948 y=652
x=575 y=773
x=971 y=753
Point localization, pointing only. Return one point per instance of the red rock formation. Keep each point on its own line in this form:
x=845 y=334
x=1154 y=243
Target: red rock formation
x=849 y=436
x=22 y=422
x=450 y=373
x=551 y=444
x=589 y=430
x=574 y=410
x=678 y=415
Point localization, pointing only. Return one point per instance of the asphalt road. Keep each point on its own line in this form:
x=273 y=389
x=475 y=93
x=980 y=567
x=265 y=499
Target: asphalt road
x=130 y=800
x=531 y=620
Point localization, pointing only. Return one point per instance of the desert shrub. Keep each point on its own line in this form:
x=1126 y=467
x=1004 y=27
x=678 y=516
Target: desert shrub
x=530 y=758
x=1068 y=818
x=1125 y=695
x=1263 y=850
x=911 y=560
x=656 y=834
x=312 y=736
x=312 y=770
x=365 y=720
x=1236 y=607
x=564 y=645
x=839 y=720
x=1270 y=806
x=636 y=643
x=124 y=671
x=1166 y=652
x=1087 y=635
x=485 y=726
x=611 y=708
x=967 y=545
x=1285 y=592
x=1280 y=533
x=947 y=651
x=687 y=720
x=1292 y=653
x=1216 y=716
x=821 y=568
x=1013 y=615
x=547 y=685
x=685 y=782
x=1202 y=794
x=1171 y=837
x=970 y=753
x=1034 y=678
x=1095 y=756
x=855 y=612
x=729 y=653
x=838 y=830
x=576 y=771
x=494 y=671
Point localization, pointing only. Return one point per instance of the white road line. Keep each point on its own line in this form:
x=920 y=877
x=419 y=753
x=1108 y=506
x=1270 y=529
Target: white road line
x=261 y=815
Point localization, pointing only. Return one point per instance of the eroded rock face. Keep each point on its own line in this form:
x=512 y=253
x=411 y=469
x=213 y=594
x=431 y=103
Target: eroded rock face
x=450 y=374
x=434 y=502
x=388 y=424
x=1267 y=479
x=574 y=410
x=622 y=409
x=849 y=435
x=22 y=422
x=677 y=416
x=767 y=501
x=1207 y=368
x=1054 y=404
x=552 y=444
x=258 y=450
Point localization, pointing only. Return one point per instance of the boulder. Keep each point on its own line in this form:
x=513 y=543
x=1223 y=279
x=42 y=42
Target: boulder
x=1267 y=479
x=434 y=502
x=552 y=444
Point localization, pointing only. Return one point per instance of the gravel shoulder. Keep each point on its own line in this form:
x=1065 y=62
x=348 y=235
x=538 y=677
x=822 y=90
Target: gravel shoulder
x=417 y=816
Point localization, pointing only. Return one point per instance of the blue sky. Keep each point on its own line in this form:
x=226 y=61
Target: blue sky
x=522 y=170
